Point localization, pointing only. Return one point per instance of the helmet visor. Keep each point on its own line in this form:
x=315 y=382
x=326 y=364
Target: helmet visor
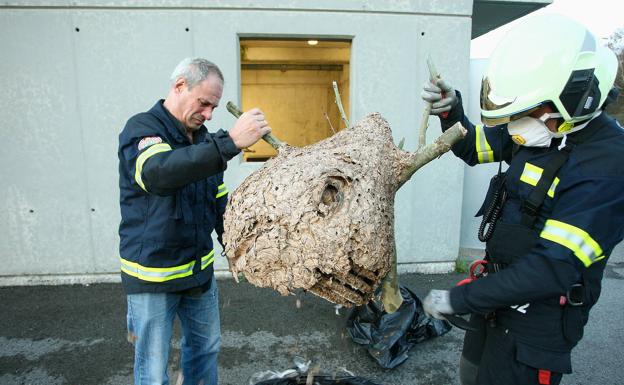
x=498 y=120
x=492 y=103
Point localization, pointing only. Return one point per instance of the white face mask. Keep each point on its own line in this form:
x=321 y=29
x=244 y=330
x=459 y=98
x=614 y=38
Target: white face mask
x=531 y=132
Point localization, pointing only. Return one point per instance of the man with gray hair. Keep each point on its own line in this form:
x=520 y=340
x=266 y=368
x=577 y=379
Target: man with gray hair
x=172 y=197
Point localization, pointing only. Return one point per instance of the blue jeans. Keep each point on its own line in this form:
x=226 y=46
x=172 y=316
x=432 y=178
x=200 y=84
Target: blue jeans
x=150 y=326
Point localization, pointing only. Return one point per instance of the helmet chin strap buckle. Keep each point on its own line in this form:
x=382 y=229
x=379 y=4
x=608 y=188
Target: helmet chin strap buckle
x=569 y=127
x=562 y=129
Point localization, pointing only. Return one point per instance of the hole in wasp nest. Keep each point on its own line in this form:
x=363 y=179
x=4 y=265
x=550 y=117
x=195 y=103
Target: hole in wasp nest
x=330 y=195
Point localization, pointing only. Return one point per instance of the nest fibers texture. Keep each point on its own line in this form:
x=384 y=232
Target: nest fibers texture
x=318 y=216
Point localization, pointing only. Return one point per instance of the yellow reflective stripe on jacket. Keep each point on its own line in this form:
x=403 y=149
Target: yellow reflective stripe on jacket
x=553 y=186
x=532 y=174
x=484 y=151
x=162 y=274
x=207 y=260
x=575 y=239
x=145 y=155
x=222 y=190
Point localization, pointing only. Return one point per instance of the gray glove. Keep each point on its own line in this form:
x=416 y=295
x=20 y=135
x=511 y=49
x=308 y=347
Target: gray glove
x=441 y=96
x=438 y=303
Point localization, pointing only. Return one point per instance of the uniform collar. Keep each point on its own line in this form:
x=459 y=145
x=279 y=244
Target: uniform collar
x=173 y=125
x=591 y=128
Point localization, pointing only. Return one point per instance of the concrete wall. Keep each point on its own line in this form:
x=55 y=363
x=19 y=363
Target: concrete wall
x=73 y=72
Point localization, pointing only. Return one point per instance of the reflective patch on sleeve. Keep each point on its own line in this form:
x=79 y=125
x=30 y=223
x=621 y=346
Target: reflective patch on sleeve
x=221 y=191
x=484 y=151
x=148 y=141
x=145 y=155
x=584 y=247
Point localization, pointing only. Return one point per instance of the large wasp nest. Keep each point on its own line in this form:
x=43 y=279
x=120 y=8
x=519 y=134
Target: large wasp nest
x=320 y=218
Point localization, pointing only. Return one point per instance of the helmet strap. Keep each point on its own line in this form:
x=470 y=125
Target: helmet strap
x=565 y=128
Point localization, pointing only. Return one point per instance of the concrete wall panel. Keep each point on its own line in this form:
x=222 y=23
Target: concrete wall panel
x=86 y=83
x=45 y=226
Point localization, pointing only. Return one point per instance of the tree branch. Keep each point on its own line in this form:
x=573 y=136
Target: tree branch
x=411 y=163
x=434 y=76
x=269 y=138
x=424 y=123
x=391 y=297
x=339 y=103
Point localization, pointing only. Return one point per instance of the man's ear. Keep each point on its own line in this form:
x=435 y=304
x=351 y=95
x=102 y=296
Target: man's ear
x=179 y=85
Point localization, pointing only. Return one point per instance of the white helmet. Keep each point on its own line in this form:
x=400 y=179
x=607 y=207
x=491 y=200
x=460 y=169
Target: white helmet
x=548 y=58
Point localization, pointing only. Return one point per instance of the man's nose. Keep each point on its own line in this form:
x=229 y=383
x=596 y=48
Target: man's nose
x=207 y=113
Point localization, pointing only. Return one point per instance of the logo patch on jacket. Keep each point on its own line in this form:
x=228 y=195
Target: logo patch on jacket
x=149 y=141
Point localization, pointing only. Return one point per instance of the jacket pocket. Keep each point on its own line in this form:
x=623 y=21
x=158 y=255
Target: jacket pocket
x=510 y=241
x=573 y=323
x=184 y=202
x=210 y=202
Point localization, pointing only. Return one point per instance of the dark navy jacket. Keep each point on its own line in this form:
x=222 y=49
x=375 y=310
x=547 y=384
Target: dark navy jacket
x=579 y=223
x=172 y=197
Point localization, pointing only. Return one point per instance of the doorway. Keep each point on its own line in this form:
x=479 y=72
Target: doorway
x=291 y=81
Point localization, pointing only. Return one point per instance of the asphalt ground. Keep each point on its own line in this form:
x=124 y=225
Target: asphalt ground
x=76 y=335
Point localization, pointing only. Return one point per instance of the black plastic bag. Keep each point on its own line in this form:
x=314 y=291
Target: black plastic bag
x=389 y=337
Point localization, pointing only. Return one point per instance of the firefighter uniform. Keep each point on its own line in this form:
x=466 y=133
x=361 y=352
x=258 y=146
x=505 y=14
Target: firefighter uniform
x=172 y=198
x=546 y=256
